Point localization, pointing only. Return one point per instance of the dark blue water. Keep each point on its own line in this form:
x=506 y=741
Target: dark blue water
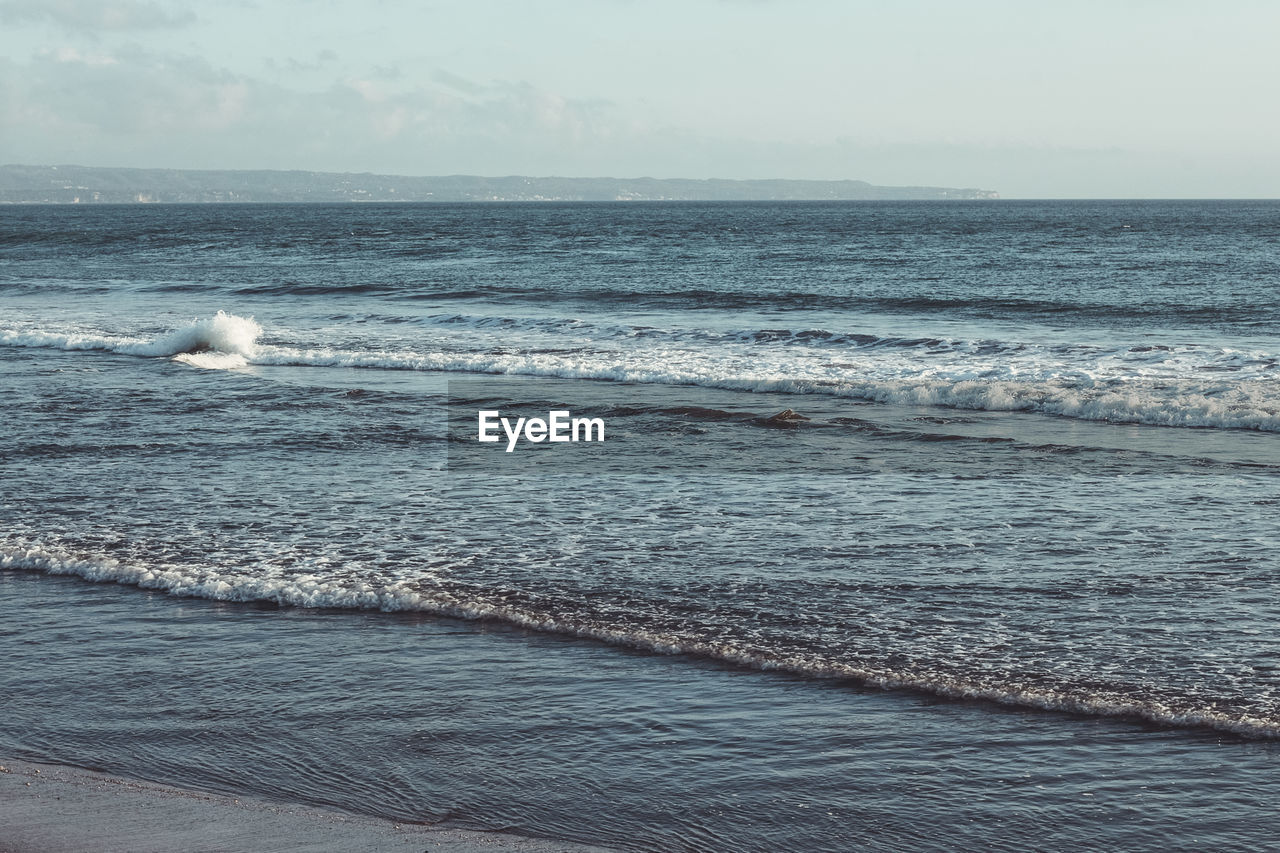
x=1013 y=575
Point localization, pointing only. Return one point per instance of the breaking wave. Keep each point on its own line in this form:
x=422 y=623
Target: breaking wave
x=1158 y=385
x=428 y=596
x=223 y=340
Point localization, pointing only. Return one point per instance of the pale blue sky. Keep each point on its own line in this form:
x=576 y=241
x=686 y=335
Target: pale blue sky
x=1093 y=99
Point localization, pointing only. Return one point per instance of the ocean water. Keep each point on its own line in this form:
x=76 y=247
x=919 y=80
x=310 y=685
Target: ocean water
x=1014 y=577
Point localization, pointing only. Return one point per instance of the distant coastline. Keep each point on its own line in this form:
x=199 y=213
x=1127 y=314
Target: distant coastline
x=20 y=184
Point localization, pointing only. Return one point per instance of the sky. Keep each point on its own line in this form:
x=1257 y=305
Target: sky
x=1081 y=99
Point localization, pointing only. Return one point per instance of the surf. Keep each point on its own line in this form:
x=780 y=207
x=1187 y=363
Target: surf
x=220 y=341
x=1186 y=386
x=463 y=601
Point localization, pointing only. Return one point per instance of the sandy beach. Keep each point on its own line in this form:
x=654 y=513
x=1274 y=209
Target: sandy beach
x=57 y=809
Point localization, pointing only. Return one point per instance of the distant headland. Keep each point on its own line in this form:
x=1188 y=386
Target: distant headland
x=103 y=185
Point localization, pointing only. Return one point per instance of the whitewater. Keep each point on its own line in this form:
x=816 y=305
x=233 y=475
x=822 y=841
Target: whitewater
x=1186 y=385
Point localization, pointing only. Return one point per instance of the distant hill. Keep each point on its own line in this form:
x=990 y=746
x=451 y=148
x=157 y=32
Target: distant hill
x=90 y=184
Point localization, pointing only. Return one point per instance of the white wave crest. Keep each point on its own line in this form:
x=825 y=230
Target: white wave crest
x=221 y=341
x=1247 y=404
x=315 y=592
x=222 y=333
x=1184 y=392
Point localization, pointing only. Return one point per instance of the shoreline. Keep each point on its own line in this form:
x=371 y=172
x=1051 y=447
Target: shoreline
x=54 y=808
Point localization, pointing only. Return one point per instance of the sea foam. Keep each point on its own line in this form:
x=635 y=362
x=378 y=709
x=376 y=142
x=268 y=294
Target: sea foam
x=221 y=341
x=1166 y=386
x=224 y=334
x=421 y=595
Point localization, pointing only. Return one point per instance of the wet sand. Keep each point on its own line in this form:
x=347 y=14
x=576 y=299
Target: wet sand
x=59 y=809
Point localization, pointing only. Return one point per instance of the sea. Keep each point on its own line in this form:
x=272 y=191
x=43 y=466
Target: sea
x=1005 y=577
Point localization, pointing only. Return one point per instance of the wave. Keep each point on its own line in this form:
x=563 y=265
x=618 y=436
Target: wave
x=979 y=306
x=1148 y=356
x=1253 y=406
x=223 y=340
x=1143 y=385
x=230 y=333
x=427 y=596
x=1197 y=309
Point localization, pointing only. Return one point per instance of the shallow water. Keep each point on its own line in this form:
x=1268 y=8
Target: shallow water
x=426 y=719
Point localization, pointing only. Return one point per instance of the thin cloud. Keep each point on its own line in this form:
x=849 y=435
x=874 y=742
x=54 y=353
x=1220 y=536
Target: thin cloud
x=145 y=107
x=89 y=17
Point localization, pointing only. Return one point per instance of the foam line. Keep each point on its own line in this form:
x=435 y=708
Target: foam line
x=419 y=596
x=1164 y=386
